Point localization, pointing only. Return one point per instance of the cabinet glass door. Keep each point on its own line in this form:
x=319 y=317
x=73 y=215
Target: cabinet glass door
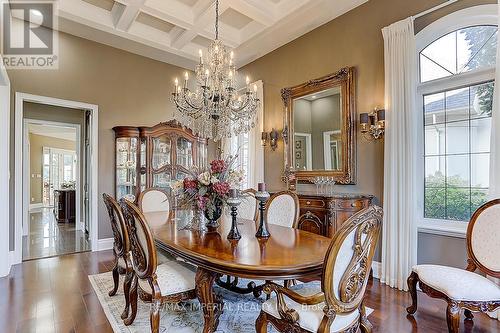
x=184 y=153
x=126 y=168
x=162 y=152
x=163 y=179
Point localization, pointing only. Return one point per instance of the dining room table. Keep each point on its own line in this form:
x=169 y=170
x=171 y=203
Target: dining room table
x=286 y=255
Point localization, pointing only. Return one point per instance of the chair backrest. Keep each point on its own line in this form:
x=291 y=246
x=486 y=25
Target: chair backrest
x=144 y=258
x=120 y=233
x=349 y=259
x=248 y=209
x=154 y=200
x=283 y=209
x=483 y=238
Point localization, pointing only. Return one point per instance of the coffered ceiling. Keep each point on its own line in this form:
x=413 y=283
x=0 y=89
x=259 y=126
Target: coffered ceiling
x=173 y=30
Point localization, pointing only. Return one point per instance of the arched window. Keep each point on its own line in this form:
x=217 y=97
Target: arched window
x=457 y=58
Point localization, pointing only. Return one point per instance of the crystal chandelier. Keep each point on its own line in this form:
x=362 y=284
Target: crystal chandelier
x=216 y=109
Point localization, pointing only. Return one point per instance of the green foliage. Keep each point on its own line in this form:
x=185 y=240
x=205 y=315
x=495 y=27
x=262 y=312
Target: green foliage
x=455 y=201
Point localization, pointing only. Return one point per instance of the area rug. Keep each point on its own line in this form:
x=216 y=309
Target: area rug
x=240 y=311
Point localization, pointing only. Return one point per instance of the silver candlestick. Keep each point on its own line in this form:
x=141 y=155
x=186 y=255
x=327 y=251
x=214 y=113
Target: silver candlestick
x=262 y=196
x=233 y=202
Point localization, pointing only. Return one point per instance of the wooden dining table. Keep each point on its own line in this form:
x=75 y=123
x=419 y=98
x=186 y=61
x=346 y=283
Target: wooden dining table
x=287 y=254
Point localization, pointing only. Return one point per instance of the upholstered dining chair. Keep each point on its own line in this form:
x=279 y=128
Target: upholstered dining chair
x=121 y=245
x=282 y=209
x=170 y=282
x=464 y=289
x=154 y=200
x=337 y=305
x=248 y=209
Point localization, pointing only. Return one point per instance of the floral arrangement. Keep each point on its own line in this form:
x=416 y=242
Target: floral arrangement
x=209 y=189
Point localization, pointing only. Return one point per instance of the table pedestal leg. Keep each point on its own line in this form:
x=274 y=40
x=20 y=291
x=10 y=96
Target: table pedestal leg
x=211 y=304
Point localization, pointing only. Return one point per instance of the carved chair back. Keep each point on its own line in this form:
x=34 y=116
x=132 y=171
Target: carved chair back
x=120 y=234
x=483 y=239
x=283 y=209
x=154 y=200
x=142 y=247
x=349 y=259
x=248 y=209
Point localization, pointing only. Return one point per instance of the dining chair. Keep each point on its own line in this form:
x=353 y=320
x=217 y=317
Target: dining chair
x=282 y=209
x=170 y=282
x=249 y=208
x=464 y=289
x=154 y=200
x=121 y=245
x=338 y=304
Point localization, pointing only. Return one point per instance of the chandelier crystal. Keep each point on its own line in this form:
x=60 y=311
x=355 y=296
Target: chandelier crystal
x=216 y=109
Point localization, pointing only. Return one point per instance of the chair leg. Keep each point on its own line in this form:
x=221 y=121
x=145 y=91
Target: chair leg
x=133 y=302
x=116 y=278
x=412 y=286
x=453 y=318
x=365 y=325
x=468 y=315
x=261 y=323
x=126 y=291
x=154 y=316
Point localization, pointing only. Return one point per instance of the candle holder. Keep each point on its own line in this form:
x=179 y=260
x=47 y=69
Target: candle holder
x=234 y=233
x=262 y=197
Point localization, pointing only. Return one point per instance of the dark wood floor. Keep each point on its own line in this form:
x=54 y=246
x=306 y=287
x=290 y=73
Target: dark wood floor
x=55 y=295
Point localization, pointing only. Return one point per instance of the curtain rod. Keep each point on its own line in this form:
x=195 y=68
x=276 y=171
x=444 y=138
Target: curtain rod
x=433 y=9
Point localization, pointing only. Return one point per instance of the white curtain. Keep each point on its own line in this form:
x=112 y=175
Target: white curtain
x=494 y=191
x=255 y=170
x=398 y=229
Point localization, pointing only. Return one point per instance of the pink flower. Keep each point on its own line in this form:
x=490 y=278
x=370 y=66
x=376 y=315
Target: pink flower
x=201 y=202
x=217 y=166
x=190 y=184
x=221 y=188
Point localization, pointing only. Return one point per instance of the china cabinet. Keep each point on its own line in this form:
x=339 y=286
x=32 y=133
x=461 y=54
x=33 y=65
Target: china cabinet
x=155 y=156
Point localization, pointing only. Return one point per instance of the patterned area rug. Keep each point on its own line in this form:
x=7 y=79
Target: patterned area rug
x=240 y=311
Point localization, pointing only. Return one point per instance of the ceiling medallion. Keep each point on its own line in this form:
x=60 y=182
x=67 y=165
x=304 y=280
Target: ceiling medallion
x=216 y=109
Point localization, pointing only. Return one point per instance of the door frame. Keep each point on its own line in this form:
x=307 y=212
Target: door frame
x=20 y=98
x=5 y=253
x=26 y=170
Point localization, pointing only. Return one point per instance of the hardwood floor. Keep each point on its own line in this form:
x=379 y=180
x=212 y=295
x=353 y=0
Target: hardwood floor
x=55 y=295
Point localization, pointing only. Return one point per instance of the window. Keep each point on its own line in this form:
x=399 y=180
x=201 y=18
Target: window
x=456 y=89
x=240 y=145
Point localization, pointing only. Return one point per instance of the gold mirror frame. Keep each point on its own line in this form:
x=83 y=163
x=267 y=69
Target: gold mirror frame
x=345 y=78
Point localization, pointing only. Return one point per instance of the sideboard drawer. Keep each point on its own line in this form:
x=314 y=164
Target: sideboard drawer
x=311 y=203
x=351 y=204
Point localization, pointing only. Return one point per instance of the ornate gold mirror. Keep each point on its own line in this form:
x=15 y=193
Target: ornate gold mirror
x=320 y=128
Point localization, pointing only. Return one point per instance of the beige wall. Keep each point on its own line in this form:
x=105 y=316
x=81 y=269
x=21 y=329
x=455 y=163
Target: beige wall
x=129 y=90
x=37 y=143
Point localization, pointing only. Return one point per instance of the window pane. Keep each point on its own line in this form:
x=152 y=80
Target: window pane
x=460 y=51
x=477 y=48
x=435 y=203
x=481 y=100
x=430 y=70
x=480 y=132
x=457 y=104
x=435 y=171
x=435 y=140
x=457 y=171
x=434 y=109
x=478 y=198
x=480 y=170
x=458 y=203
x=457 y=137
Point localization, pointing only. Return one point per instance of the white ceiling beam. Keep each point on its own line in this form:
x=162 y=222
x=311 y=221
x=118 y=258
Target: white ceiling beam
x=128 y=13
x=257 y=11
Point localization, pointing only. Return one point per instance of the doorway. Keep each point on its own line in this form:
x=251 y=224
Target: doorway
x=56 y=200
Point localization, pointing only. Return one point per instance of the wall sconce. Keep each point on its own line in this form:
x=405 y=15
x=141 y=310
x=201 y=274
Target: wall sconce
x=271 y=137
x=373 y=124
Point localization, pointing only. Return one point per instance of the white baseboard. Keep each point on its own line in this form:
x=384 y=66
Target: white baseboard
x=105 y=244
x=36 y=206
x=10 y=261
x=376 y=267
